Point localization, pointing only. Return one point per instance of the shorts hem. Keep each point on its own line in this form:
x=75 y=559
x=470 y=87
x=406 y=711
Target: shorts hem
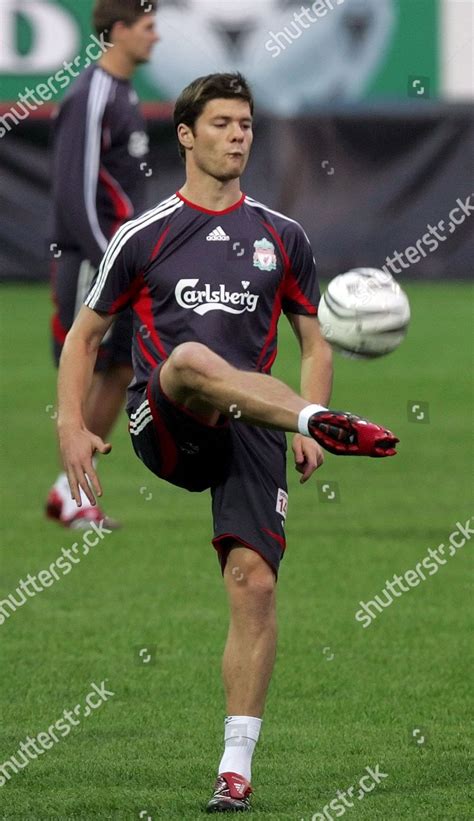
x=223 y=559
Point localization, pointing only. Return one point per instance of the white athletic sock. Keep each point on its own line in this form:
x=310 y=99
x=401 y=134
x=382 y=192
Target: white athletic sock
x=306 y=415
x=69 y=507
x=240 y=735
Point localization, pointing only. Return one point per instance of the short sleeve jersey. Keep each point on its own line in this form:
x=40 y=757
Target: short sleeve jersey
x=100 y=143
x=219 y=278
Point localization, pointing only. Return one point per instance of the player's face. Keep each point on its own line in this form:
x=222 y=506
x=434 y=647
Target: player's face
x=223 y=138
x=140 y=38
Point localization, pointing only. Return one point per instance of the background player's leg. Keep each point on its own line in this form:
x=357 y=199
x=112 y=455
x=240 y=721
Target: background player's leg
x=104 y=403
x=107 y=399
x=249 y=654
x=198 y=378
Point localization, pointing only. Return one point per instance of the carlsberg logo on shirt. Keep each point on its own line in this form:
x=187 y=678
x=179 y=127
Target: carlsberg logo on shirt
x=206 y=299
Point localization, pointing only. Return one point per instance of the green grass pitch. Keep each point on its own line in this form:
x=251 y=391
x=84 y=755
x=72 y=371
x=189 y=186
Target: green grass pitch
x=342 y=697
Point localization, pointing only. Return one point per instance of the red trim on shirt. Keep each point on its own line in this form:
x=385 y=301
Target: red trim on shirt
x=291 y=288
x=272 y=331
x=146 y=353
x=123 y=208
x=157 y=248
x=128 y=296
x=270 y=362
x=143 y=309
x=59 y=332
x=294 y=292
x=207 y=211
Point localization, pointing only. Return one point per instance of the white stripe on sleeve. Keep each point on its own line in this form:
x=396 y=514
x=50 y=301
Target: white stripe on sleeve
x=121 y=238
x=98 y=95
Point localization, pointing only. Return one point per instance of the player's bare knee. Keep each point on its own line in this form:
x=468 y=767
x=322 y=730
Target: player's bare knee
x=254 y=602
x=190 y=363
x=261 y=587
x=250 y=575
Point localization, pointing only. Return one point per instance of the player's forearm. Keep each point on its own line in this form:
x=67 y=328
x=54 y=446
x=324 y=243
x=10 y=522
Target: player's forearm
x=75 y=376
x=317 y=376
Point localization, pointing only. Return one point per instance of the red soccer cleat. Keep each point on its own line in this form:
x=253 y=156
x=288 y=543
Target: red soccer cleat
x=345 y=434
x=80 y=520
x=231 y=794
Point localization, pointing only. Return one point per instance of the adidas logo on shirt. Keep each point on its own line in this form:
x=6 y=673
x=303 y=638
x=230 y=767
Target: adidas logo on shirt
x=218 y=235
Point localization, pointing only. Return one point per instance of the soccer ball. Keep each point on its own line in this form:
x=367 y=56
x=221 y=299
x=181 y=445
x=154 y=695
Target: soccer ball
x=364 y=313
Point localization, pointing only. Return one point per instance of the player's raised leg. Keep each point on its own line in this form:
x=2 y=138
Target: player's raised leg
x=247 y=667
x=204 y=382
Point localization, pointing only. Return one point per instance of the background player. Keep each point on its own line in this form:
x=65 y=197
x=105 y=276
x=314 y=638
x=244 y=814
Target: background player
x=210 y=312
x=99 y=144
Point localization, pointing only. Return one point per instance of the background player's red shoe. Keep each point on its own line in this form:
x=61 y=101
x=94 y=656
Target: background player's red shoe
x=346 y=434
x=231 y=794
x=81 y=518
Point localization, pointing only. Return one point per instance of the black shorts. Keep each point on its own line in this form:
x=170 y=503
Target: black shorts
x=71 y=281
x=244 y=467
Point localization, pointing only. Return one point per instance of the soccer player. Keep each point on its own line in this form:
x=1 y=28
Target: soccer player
x=207 y=273
x=100 y=146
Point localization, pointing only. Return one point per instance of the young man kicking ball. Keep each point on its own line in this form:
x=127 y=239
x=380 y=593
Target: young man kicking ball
x=207 y=273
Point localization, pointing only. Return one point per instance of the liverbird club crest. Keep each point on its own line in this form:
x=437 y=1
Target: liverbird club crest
x=264 y=255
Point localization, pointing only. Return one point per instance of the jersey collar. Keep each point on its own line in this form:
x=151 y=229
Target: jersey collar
x=233 y=207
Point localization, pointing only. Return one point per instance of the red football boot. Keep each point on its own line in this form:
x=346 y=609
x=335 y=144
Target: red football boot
x=346 y=434
x=231 y=794
x=81 y=519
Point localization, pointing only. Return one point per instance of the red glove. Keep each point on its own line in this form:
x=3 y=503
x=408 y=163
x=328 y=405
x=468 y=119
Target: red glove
x=345 y=434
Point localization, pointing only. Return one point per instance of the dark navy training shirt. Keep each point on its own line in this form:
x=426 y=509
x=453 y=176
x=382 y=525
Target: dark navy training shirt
x=99 y=144
x=221 y=278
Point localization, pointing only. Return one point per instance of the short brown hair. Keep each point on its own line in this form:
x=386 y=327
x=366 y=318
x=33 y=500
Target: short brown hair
x=192 y=101
x=108 y=12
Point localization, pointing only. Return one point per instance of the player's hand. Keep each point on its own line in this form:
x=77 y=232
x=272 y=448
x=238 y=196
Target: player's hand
x=308 y=456
x=77 y=449
x=346 y=434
